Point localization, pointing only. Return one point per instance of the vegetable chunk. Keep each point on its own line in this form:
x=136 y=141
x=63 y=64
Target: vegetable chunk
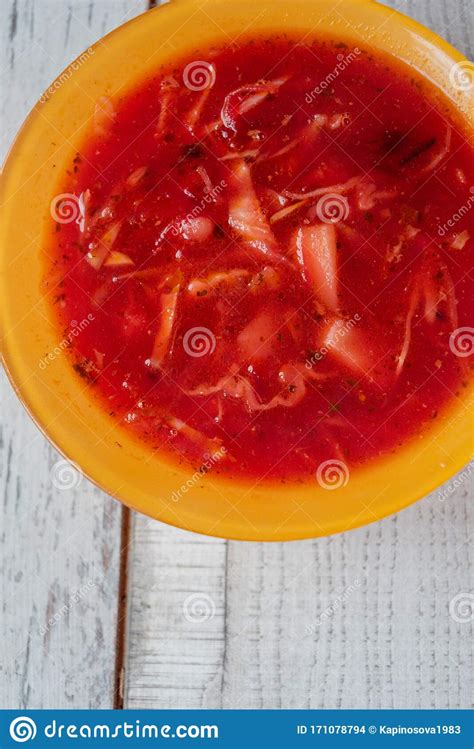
x=316 y=252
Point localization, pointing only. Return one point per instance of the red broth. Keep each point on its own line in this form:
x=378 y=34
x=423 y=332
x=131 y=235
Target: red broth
x=267 y=258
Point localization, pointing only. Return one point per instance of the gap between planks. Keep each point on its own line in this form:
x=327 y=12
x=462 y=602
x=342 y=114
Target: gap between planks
x=122 y=609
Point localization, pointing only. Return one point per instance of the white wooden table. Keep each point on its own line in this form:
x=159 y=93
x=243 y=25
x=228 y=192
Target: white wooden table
x=359 y=620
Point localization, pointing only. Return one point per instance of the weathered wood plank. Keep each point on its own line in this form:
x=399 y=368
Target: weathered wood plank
x=59 y=546
x=176 y=638
x=357 y=620
x=363 y=620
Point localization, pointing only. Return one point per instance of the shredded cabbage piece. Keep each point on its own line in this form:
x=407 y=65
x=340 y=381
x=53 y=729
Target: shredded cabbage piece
x=194 y=229
x=163 y=337
x=210 y=445
x=424 y=292
x=267 y=277
x=200 y=286
x=309 y=131
x=251 y=153
x=246 y=216
x=292 y=376
x=449 y=295
x=245 y=98
x=367 y=195
x=256 y=340
x=165 y=101
x=194 y=114
x=339 y=188
x=460 y=240
x=98 y=254
x=281 y=151
x=202 y=171
x=118 y=258
x=316 y=252
x=440 y=155
x=134 y=178
x=286 y=211
x=350 y=346
x=414 y=301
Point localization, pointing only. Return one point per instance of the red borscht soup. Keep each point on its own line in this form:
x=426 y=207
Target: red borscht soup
x=263 y=254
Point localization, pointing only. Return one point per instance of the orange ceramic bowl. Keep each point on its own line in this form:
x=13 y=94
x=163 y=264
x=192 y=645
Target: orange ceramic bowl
x=57 y=399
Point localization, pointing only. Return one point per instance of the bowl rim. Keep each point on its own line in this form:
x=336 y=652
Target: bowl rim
x=27 y=398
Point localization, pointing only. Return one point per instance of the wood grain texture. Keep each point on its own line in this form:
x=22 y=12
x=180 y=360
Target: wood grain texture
x=356 y=620
x=59 y=547
x=176 y=640
x=359 y=620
